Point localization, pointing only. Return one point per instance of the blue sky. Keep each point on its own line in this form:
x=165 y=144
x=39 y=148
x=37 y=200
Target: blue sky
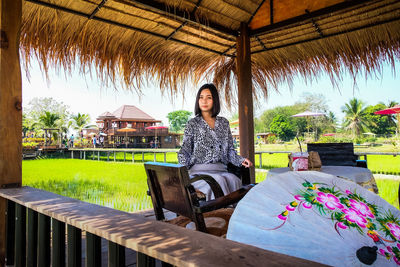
x=86 y=95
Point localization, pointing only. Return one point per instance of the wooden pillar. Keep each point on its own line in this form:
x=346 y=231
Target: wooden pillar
x=10 y=106
x=245 y=95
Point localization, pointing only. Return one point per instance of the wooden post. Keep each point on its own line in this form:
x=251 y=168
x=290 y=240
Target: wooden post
x=10 y=106
x=245 y=95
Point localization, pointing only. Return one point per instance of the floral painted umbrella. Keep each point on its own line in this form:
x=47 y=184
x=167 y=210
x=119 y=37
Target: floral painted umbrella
x=318 y=217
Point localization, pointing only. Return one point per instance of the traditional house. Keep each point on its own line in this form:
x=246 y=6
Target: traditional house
x=129 y=126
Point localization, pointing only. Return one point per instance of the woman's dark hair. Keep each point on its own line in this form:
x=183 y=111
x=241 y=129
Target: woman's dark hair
x=214 y=93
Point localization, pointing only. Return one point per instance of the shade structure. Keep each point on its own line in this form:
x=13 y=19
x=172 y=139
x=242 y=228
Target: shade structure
x=391 y=111
x=318 y=217
x=155 y=128
x=127 y=130
x=147 y=38
x=309 y=114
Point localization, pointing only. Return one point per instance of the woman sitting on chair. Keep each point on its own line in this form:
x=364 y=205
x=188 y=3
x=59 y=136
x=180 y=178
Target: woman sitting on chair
x=207 y=146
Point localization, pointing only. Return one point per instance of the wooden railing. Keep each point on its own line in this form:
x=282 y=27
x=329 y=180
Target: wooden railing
x=95 y=153
x=39 y=221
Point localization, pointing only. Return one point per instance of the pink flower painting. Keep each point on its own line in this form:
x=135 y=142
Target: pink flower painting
x=330 y=201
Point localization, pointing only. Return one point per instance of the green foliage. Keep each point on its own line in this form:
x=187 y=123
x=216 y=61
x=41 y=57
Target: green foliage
x=40 y=108
x=355 y=119
x=380 y=124
x=282 y=127
x=48 y=119
x=80 y=121
x=178 y=119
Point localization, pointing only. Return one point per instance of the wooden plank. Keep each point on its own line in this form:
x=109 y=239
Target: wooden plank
x=116 y=255
x=245 y=97
x=93 y=250
x=166 y=242
x=10 y=217
x=74 y=246
x=20 y=235
x=31 y=260
x=58 y=243
x=43 y=240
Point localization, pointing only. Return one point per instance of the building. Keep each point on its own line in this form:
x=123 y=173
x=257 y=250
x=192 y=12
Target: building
x=131 y=127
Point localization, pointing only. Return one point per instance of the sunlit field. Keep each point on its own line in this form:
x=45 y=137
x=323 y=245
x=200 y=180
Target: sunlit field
x=118 y=185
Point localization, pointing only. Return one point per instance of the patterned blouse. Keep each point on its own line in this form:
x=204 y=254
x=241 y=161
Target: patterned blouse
x=202 y=144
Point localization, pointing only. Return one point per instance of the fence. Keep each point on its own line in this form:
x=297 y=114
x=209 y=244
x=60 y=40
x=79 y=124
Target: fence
x=37 y=222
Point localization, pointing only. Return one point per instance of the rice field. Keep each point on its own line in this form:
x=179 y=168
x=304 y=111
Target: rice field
x=119 y=185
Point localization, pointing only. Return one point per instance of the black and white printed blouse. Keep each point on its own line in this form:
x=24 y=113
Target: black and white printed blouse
x=202 y=144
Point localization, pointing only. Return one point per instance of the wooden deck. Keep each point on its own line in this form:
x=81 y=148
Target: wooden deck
x=139 y=232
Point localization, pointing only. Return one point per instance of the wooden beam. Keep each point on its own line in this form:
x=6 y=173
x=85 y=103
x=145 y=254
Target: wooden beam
x=306 y=17
x=10 y=105
x=245 y=94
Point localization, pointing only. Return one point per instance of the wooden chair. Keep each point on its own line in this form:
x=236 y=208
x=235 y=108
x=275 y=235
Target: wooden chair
x=337 y=154
x=171 y=189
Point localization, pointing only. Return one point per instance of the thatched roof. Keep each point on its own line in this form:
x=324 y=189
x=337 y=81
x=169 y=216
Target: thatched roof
x=174 y=41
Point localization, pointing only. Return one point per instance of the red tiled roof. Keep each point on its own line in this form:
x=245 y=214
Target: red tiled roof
x=106 y=115
x=130 y=112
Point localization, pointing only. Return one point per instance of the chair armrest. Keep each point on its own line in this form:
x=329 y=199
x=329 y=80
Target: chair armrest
x=215 y=187
x=224 y=201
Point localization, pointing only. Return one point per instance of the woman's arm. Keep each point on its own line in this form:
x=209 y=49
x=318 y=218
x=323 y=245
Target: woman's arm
x=186 y=151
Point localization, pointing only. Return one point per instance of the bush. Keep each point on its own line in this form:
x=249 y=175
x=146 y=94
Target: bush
x=29 y=145
x=271 y=139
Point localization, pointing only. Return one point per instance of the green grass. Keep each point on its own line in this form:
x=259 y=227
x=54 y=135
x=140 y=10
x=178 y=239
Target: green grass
x=388 y=190
x=117 y=185
x=123 y=186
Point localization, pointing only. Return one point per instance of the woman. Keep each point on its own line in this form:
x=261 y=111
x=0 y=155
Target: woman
x=207 y=145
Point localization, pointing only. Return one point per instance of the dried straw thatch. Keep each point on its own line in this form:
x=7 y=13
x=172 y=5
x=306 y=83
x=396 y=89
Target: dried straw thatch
x=174 y=41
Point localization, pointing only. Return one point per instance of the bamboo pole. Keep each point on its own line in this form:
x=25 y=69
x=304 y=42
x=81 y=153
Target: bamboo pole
x=245 y=95
x=10 y=106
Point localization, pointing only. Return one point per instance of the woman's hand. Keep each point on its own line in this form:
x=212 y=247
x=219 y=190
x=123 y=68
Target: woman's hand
x=247 y=163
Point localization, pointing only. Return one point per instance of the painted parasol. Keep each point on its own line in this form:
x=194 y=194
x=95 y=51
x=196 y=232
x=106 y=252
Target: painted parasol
x=318 y=217
x=391 y=111
x=155 y=128
x=127 y=130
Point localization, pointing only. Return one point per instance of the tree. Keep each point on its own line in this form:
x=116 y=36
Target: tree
x=330 y=122
x=355 y=116
x=28 y=125
x=282 y=127
x=38 y=107
x=49 y=120
x=178 y=119
x=379 y=124
x=80 y=121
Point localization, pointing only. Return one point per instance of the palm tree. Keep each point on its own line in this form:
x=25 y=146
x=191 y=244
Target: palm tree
x=354 y=119
x=80 y=121
x=49 y=120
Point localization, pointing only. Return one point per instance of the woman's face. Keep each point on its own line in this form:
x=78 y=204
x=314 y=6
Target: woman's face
x=206 y=101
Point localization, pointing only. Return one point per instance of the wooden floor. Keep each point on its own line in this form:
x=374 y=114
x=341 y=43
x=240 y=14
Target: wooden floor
x=130 y=255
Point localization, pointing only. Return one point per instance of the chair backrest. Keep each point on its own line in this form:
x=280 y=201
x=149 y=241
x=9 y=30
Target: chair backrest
x=334 y=154
x=170 y=189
